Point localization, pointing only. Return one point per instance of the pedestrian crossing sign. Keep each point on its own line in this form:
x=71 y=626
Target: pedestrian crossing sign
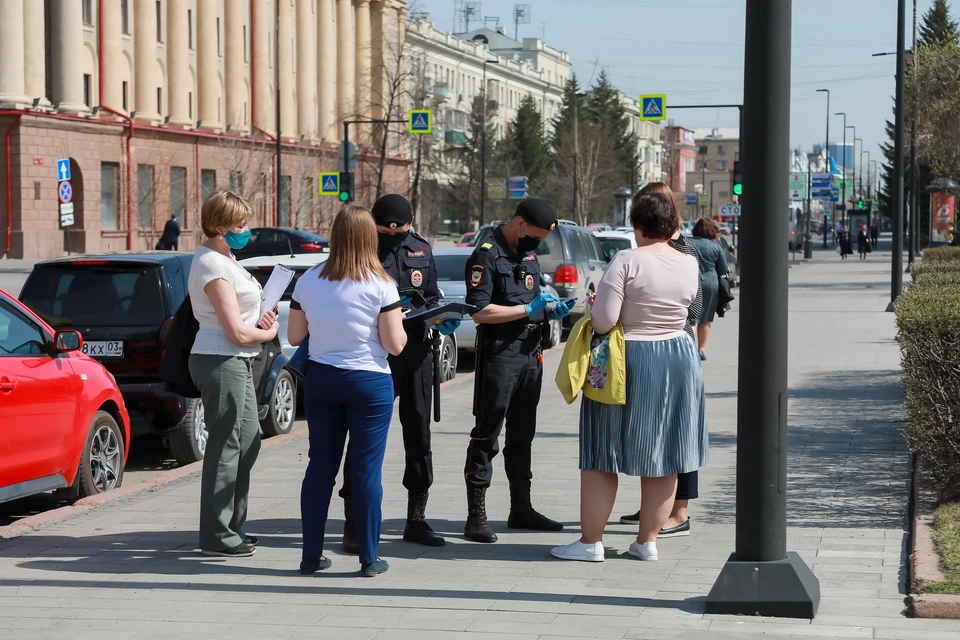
x=653 y=107
x=330 y=184
x=420 y=121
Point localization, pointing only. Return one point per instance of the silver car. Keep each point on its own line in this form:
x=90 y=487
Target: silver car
x=451 y=268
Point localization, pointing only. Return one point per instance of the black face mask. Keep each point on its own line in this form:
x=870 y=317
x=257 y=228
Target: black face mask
x=527 y=243
x=389 y=242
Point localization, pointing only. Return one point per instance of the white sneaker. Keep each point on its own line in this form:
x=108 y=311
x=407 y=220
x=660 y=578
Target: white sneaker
x=645 y=551
x=579 y=551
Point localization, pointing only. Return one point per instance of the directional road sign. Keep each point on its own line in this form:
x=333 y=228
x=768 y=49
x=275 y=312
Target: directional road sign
x=420 y=121
x=63 y=169
x=653 y=107
x=330 y=183
x=691 y=199
x=517 y=187
x=66 y=192
x=732 y=210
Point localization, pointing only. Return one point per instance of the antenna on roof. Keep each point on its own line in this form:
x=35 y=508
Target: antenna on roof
x=471 y=10
x=521 y=15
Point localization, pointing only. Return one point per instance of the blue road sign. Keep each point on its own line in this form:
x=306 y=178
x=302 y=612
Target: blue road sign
x=329 y=184
x=691 y=199
x=65 y=191
x=420 y=121
x=63 y=170
x=517 y=187
x=653 y=107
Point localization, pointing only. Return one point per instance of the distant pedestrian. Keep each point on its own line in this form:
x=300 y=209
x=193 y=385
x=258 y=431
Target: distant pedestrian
x=875 y=233
x=863 y=242
x=713 y=266
x=844 y=242
x=170 y=239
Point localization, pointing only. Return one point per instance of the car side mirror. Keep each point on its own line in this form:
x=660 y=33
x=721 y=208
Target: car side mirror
x=67 y=341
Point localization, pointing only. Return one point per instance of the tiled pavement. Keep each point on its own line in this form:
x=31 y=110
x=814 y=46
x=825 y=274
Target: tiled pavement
x=130 y=569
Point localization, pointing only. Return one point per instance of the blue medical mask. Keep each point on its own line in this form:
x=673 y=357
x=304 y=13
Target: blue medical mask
x=237 y=240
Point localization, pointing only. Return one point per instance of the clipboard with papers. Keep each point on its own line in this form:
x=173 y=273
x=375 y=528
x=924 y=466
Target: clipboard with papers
x=431 y=317
x=274 y=288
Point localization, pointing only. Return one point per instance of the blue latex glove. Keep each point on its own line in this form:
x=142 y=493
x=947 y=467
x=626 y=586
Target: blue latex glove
x=540 y=303
x=563 y=309
x=406 y=301
x=448 y=327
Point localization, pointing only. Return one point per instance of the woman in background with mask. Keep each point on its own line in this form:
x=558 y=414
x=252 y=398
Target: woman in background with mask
x=226 y=304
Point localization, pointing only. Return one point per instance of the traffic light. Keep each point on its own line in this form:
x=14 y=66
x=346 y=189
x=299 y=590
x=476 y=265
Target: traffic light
x=737 y=179
x=829 y=217
x=860 y=203
x=346 y=187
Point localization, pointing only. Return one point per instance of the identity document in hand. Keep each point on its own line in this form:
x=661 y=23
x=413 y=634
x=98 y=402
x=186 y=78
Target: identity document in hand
x=273 y=290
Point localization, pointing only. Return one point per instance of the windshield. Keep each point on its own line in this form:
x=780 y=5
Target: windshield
x=110 y=295
x=450 y=268
x=612 y=245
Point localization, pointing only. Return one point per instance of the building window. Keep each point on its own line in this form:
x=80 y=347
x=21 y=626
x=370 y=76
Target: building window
x=245 y=58
x=720 y=150
x=87 y=11
x=270 y=49
x=283 y=217
x=703 y=150
x=190 y=28
x=236 y=181
x=125 y=16
x=145 y=196
x=701 y=165
x=108 y=195
x=306 y=199
x=724 y=194
x=190 y=104
x=126 y=94
x=208 y=183
x=159 y=22
x=87 y=85
x=721 y=165
x=160 y=100
x=219 y=52
x=178 y=186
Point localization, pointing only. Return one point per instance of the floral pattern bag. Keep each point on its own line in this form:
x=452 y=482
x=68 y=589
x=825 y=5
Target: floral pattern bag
x=606 y=372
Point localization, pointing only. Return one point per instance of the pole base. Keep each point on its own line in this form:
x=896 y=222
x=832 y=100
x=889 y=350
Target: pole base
x=779 y=588
x=891 y=307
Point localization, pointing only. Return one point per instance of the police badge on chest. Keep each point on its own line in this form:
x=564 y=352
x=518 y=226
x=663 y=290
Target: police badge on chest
x=416 y=278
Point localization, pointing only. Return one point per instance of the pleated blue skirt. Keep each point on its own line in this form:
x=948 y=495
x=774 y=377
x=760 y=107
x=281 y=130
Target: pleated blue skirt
x=662 y=428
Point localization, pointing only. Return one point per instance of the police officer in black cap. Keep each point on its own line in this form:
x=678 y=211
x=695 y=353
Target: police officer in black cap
x=503 y=281
x=408 y=258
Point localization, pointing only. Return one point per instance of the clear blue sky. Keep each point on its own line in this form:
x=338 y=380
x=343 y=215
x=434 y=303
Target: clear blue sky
x=692 y=50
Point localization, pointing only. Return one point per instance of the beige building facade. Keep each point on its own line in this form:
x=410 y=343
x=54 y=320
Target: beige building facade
x=157 y=102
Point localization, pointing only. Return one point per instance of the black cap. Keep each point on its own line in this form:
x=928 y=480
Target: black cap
x=392 y=210
x=538 y=213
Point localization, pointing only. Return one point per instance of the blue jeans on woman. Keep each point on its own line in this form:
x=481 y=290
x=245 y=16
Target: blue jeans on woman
x=338 y=402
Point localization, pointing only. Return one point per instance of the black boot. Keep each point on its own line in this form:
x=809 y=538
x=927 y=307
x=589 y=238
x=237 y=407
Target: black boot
x=417 y=529
x=476 y=528
x=349 y=543
x=524 y=516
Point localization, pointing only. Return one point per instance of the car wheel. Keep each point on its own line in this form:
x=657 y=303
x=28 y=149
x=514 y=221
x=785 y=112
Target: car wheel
x=189 y=440
x=448 y=360
x=283 y=406
x=556 y=332
x=101 y=462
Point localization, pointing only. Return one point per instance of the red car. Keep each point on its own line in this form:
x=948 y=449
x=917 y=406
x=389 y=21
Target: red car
x=63 y=424
x=465 y=239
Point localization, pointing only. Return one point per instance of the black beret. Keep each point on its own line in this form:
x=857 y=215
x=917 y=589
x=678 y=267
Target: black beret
x=392 y=210
x=538 y=213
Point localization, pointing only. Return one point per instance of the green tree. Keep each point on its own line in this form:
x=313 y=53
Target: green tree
x=605 y=108
x=937 y=26
x=525 y=149
x=572 y=103
x=463 y=193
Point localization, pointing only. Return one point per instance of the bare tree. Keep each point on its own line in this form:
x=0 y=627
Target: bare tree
x=596 y=170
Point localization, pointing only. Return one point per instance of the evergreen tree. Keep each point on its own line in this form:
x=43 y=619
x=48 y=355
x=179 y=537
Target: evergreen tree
x=937 y=26
x=572 y=103
x=605 y=109
x=525 y=150
x=463 y=194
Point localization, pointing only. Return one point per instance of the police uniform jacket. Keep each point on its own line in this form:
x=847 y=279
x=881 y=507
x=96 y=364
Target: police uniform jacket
x=412 y=265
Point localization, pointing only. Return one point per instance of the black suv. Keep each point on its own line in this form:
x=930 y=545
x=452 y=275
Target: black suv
x=278 y=241
x=123 y=305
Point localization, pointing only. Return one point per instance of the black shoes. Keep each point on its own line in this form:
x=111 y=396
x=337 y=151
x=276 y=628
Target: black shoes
x=312 y=566
x=251 y=540
x=633 y=518
x=476 y=528
x=524 y=516
x=417 y=530
x=672 y=532
x=242 y=550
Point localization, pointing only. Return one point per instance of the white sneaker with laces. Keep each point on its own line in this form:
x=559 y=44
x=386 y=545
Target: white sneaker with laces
x=646 y=551
x=579 y=551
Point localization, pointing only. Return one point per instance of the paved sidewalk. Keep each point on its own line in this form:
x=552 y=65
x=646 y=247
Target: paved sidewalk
x=130 y=568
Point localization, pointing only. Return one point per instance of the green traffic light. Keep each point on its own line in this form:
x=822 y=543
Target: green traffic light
x=738 y=189
x=859 y=204
x=344 y=196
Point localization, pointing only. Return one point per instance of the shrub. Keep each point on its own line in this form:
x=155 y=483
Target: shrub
x=935 y=274
x=942 y=254
x=928 y=319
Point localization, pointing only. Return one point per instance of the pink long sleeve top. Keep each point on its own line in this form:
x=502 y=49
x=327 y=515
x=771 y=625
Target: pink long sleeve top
x=648 y=293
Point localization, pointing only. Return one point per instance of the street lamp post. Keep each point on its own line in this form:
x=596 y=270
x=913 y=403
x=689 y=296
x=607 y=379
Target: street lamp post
x=843 y=179
x=896 y=271
x=827 y=147
x=483 y=146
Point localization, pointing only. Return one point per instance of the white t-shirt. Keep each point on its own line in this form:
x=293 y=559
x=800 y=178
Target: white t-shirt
x=343 y=318
x=211 y=339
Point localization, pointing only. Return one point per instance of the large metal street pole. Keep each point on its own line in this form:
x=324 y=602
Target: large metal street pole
x=276 y=67
x=761 y=577
x=914 y=167
x=896 y=271
x=827 y=91
x=843 y=180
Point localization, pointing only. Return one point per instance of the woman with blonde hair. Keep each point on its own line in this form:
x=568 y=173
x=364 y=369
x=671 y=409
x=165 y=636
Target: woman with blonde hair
x=226 y=304
x=351 y=309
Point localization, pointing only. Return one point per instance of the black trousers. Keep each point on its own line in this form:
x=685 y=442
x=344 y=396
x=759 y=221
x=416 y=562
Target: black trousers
x=688 y=486
x=509 y=377
x=412 y=373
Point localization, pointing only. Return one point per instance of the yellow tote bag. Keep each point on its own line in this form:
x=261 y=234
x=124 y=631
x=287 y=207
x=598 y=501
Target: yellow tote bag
x=596 y=364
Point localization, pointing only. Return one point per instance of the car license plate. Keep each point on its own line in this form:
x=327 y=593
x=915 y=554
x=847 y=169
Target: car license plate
x=103 y=349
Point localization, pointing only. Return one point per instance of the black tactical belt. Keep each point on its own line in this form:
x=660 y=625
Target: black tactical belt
x=512 y=331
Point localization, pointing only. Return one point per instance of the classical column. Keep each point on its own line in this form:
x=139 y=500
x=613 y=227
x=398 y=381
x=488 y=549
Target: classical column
x=364 y=45
x=288 y=112
x=12 y=83
x=382 y=59
x=208 y=67
x=35 y=81
x=234 y=61
x=327 y=69
x=66 y=20
x=262 y=62
x=306 y=70
x=144 y=59
x=178 y=66
x=346 y=60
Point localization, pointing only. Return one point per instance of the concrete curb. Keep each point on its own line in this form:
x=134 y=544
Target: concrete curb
x=30 y=523
x=924 y=559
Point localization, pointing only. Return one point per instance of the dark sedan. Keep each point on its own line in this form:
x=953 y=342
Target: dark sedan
x=278 y=241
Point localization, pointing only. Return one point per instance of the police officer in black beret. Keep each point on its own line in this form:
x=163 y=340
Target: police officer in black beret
x=408 y=258
x=503 y=281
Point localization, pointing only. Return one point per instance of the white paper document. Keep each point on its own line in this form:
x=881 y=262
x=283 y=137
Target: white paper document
x=273 y=290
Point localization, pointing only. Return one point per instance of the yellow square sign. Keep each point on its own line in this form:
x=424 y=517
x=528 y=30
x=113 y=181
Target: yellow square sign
x=330 y=183
x=653 y=107
x=420 y=121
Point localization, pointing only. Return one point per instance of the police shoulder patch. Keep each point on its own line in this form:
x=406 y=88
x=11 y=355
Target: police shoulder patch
x=416 y=254
x=486 y=246
x=476 y=275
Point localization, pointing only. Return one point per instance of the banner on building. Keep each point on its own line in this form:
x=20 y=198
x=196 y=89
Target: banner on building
x=942 y=214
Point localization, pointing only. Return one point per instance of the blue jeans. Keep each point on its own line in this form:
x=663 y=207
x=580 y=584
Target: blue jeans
x=338 y=402
x=297 y=365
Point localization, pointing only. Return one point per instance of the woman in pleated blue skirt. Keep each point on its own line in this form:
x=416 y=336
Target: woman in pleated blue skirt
x=661 y=431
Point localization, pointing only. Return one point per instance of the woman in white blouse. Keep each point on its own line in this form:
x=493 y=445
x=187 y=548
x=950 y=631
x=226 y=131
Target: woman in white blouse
x=226 y=303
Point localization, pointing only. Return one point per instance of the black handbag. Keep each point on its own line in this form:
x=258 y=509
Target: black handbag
x=175 y=364
x=725 y=297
